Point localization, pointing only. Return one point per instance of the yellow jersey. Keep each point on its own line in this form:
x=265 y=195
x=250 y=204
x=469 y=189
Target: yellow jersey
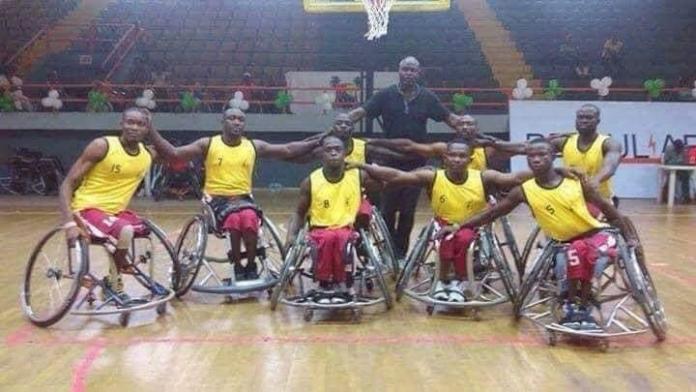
x=561 y=212
x=110 y=184
x=478 y=159
x=454 y=202
x=589 y=161
x=334 y=204
x=359 y=152
x=229 y=169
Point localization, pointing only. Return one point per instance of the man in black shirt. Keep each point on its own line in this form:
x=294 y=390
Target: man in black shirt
x=405 y=109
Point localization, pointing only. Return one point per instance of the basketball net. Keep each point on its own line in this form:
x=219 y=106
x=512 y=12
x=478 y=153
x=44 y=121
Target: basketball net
x=377 y=17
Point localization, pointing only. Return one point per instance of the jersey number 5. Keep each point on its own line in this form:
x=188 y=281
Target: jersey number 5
x=573 y=258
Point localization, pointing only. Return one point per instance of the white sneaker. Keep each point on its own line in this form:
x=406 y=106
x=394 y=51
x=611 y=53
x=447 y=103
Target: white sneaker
x=456 y=294
x=440 y=292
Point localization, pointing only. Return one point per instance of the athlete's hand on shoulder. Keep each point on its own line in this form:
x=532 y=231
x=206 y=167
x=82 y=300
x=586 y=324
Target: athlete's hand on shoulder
x=353 y=165
x=570 y=172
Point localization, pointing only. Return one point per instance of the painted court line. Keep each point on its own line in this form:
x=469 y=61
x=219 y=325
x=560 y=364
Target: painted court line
x=82 y=368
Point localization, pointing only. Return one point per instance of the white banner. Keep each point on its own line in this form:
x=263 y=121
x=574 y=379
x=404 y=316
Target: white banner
x=643 y=129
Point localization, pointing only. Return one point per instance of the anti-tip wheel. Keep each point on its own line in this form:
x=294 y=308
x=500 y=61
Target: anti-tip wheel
x=308 y=314
x=161 y=308
x=357 y=316
x=476 y=315
x=124 y=318
x=604 y=345
x=430 y=309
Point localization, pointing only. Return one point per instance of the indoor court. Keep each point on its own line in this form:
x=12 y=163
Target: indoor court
x=204 y=343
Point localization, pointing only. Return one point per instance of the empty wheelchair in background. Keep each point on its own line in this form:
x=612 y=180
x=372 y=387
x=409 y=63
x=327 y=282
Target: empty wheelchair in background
x=176 y=179
x=63 y=277
x=32 y=172
x=381 y=239
x=202 y=249
x=298 y=286
x=624 y=299
x=489 y=281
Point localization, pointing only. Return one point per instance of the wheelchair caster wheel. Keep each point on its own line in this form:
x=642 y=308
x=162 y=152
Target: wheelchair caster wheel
x=161 y=308
x=476 y=315
x=270 y=293
x=603 y=345
x=430 y=309
x=308 y=314
x=369 y=285
x=124 y=318
x=356 y=316
x=552 y=338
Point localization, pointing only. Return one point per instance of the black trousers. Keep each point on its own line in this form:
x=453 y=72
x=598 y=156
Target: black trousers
x=399 y=208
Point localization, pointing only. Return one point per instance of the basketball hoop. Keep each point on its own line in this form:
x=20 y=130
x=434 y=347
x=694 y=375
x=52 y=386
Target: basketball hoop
x=377 y=17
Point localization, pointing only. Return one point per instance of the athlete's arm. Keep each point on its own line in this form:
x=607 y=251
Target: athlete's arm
x=380 y=153
x=306 y=158
x=287 y=151
x=188 y=152
x=297 y=219
x=391 y=176
x=357 y=114
x=93 y=153
x=370 y=183
x=505 y=181
x=610 y=212
x=503 y=207
x=407 y=146
x=612 y=157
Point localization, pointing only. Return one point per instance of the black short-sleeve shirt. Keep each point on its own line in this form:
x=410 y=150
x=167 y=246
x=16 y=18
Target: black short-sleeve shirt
x=405 y=119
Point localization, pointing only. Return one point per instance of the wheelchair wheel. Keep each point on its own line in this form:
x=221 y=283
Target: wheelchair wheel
x=384 y=244
x=190 y=249
x=541 y=268
x=159 y=257
x=503 y=267
x=293 y=257
x=414 y=258
x=374 y=261
x=644 y=293
x=273 y=247
x=52 y=278
x=511 y=244
x=527 y=251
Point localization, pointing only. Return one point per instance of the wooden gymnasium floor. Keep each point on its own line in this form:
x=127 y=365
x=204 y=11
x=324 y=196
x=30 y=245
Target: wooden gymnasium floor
x=204 y=344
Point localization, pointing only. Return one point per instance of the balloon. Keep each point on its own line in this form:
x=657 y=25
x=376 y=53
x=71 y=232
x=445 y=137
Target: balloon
x=693 y=93
x=603 y=92
x=244 y=105
x=151 y=104
x=606 y=81
x=16 y=81
x=4 y=82
x=517 y=94
x=238 y=95
x=57 y=104
x=149 y=94
x=327 y=106
x=528 y=92
x=596 y=84
x=53 y=94
x=521 y=83
x=47 y=102
x=141 y=102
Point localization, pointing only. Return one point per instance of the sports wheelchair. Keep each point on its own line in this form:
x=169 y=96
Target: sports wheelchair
x=381 y=239
x=62 y=277
x=490 y=279
x=624 y=299
x=202 y=270
x=298 y=287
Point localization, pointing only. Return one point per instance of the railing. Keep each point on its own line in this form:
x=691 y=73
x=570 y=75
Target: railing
x=214 y=98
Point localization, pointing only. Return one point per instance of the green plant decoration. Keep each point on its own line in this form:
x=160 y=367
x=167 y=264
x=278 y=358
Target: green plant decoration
x=188 y=102
x=283 y=100
x=97 y=102
x=654 y=87
x=553 y=89
x=6 y=103
x=462 y=101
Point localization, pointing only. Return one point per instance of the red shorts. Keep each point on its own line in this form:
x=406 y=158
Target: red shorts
x=245 y=221
x=584 y=252
x=453 y=249
x=330 y=253
x=103 y=225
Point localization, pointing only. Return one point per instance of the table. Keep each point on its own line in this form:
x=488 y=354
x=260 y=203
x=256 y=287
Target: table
x=672 y=169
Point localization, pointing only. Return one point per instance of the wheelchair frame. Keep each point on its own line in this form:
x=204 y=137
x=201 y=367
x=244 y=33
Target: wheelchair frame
x=81 y=298
x=486 y=246
x=625 y=286
x=203 y=225
x=367 y=267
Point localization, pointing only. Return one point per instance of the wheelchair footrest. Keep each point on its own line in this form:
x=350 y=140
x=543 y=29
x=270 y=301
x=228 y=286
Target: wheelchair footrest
x=238 y=287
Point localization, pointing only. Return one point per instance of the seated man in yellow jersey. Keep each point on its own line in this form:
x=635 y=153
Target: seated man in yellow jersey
x=229 y=161
x=559 y=206
x=329 y=199
x=486 y=149
x=589 y=151
x=99 y=187
x=456 y=193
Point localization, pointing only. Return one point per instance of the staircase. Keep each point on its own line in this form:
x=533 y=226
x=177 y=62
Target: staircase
x=58 y=37
x=506 y=62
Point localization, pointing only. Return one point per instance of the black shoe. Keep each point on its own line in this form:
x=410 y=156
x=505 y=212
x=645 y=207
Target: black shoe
x=251 y=271
x=239 y=272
